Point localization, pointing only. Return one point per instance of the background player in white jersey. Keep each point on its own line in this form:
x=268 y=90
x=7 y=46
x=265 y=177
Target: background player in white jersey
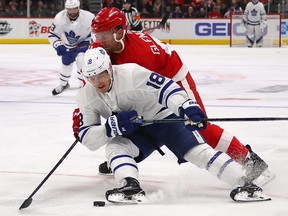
x=254 y=19
x=70 y=35
x=122 y=93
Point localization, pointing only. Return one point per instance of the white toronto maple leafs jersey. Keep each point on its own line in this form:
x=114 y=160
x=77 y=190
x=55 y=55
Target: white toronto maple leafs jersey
x=254 y=14
x=152 y=95
x=71 y=32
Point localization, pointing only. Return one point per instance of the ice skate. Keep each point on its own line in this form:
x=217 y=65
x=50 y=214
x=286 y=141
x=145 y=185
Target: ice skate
x=60 y=89
x=248 y=193
x=130 y=193
x=104 y=169
x=256 y=169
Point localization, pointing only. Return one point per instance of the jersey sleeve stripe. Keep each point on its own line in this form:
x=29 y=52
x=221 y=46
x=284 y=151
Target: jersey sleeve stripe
x=163 y=91
x=171 y=93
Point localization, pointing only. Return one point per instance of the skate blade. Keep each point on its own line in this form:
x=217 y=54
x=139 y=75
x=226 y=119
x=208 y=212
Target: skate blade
x=105 y=174
x=119 y=198
x=265 y=177
x=245 y=197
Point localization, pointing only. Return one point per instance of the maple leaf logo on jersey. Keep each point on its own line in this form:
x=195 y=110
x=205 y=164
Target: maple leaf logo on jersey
x=254 y=12
x=72 y=38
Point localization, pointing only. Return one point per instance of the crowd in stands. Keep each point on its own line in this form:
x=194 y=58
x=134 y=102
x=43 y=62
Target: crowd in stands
x=188 y=8
x=39 y=9
x=147 y=8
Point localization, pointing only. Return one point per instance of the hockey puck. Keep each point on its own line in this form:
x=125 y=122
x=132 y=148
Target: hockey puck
x=99 y=203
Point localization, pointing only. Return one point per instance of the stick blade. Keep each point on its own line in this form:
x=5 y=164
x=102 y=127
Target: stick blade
x=26 y=203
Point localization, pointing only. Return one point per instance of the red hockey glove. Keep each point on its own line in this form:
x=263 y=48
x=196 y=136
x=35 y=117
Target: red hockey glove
x=76 y=122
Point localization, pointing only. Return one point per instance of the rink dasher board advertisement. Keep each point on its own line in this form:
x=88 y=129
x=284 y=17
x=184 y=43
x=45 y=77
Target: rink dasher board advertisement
x=175 y=31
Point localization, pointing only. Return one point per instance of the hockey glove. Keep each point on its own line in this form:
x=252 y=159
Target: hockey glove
x=76 y=123
x=121 y=124
x=191 y=110
x=60 y=48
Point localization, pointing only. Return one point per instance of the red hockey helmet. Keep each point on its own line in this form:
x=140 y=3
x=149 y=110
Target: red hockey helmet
x=107 y=19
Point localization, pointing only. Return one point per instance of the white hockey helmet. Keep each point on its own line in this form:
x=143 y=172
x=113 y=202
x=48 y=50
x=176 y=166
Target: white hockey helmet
x=96 y=61
x=69 y=4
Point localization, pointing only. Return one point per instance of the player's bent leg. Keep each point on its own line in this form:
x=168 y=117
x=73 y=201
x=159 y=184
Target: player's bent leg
x=223 y=167
x=64 y=78
x=217 y=163
x=214 y=135
x=120 y=153
x=79 y=63
x=223 y=141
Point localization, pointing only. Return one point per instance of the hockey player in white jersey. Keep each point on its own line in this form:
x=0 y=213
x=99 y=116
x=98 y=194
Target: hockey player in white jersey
x=123 y=93
x=70 y=36
x=254 y=19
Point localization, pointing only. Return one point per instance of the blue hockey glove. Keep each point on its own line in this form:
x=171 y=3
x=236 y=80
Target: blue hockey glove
x=191 y=110
x=60 y=48
x=121 y=124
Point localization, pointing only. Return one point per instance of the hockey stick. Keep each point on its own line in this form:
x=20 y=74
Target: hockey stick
x=161 y=24
x=74 y=48
x=216 y=120
x=29 y=200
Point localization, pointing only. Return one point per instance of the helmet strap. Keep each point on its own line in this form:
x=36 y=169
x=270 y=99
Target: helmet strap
x=121 y=40
x=111 y=83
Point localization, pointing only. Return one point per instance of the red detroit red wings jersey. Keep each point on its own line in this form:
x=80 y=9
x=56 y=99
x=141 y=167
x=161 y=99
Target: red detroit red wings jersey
x=148 y=52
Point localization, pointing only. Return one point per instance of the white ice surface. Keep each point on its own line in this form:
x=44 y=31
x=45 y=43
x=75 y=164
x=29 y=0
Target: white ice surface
x=36 y=131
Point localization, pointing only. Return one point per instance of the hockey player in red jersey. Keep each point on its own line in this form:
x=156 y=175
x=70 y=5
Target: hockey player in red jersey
x=124 y=46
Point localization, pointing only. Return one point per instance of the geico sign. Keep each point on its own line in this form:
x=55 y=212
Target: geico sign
x=220 y=29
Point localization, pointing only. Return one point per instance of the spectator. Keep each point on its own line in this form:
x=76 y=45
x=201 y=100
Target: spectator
x=177 y=13
x=13 y=10
x=118 y=4
x=214 y=14
x=52 y=11
x=7 y=11
x=168 y=9
x=206 y=4
x=147 y=4
x=218 y=4
x=2 y=9
x=22 y=9
x=243 y=3
x=196 y=4
x=201 y=13
x=157 y=8
x=233 y=11
x=41 y=10
x=223 y=9
x=190 y=13
x=144 y=13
